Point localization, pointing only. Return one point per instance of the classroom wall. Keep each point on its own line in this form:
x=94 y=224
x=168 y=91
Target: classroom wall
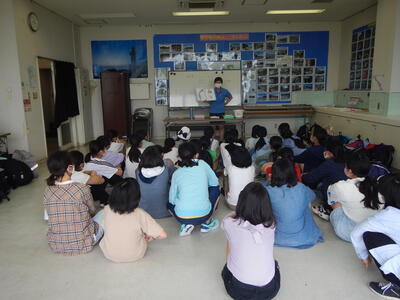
x=55 y=40
x=12 y=118
x=88 y=34
x=363 y=18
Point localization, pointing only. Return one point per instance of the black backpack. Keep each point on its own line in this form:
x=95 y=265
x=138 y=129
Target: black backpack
x=4 y=187
x=382 y=154
x=17 y=173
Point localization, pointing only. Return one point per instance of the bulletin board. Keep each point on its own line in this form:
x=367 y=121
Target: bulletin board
x=273 y=64
x=362 y=55
x=183 y=85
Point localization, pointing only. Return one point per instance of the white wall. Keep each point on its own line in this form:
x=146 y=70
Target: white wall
x=361 y=19
x=12 y=118
x=55 y=40
x=87 y=34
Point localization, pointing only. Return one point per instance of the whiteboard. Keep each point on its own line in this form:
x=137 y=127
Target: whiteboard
x=182 y=86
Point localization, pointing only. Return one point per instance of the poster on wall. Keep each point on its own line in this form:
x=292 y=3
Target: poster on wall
x=128 y=55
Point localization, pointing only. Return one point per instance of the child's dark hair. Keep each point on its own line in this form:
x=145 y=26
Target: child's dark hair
x=209 y=132
x=286 y=133
x=255 y=206
x=104 y=141
x=241 y=157
x=205 y=143
x=141 y=134
x=261 y=134
x=275 y=143
x=57 y=163
x=76 y=158
x=187 y=152
x=254 y=131
x=231 y=137
x=389 y=188
x=95 y=147
x=112 y=134
x=335 y=146
x=125 y=196
x=320 y=133
x=285 y=153
x=359 y=164
x=151 y=158
x=206 y=156
x=134 y=152
x=283 y=173
x=169 y=143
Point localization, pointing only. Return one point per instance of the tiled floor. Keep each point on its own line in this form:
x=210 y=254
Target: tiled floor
x=176 y=268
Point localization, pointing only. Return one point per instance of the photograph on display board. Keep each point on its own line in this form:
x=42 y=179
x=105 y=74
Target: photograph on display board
x=296 y=71
x=161 y=84
x=259 y=55
x=284 y=88
x=320 y=70
x=296 y=87
x=234 y=46
x=307 y=87
x=270 y=37
x=165 y=57
x=281 y=51
x=294 y=39
x=211 y=47
x=247 y=64
x=259 y=64
x=162 y=92
x=161 y=101
x=319 y=78
x=319 y=87
x=273 y=88
x=270 y=63
x=262 y=72
x=176 y=47
x=247 y=47
x=270 y=46
x=298 y=62
x=284 y=79
x=284 y=71
x=308 y=71
x=162 y=73
x=212 y=56
x=298 y=54
x=128 y=55
x=282 y=39
x=274 y=97
x=285 y=97
x=296 y=79
x=284 y=61
x=310 y=62
x=262 y=80
x=273 y=80
x=262 y=88
x=273 y=71
x=188 y=48
x=258 y=46
x=308 y=79
x=270 y=54
x=165 y=48
x=179 y=66
x=189 y=56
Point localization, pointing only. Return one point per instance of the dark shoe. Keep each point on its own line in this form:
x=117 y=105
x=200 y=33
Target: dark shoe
x=385 y=290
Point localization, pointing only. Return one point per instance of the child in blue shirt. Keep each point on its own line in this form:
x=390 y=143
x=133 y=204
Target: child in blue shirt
x=289 y=140
x=295 y=226
x=194 y=192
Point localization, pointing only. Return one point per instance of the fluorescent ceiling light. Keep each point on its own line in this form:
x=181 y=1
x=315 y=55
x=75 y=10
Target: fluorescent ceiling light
x=200 y=13
x=294 y=11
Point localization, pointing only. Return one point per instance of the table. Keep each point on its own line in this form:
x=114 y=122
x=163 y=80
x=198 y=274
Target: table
x=174 y=122
x=3 y=141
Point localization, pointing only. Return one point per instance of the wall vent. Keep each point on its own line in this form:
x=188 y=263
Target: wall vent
x=201 y=4
x=322 y=1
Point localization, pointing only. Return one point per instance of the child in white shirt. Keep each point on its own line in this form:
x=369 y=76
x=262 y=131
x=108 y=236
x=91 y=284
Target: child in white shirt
x=117 y=145
x=170 y=151
x=132 y=158
x=251 y=142
x=355 y=199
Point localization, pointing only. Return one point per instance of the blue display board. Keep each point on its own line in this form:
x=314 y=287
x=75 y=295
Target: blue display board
x=273 y=64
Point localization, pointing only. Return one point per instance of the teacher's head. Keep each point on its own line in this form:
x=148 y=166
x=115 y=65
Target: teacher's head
x=218 y=82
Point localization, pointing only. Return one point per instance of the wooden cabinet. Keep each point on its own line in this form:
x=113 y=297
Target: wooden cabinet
x=116 y=101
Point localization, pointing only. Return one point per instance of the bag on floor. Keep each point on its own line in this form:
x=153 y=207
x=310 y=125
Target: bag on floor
x=27 y=158
x=17 y=172
x=4 y=187
x=382 y=154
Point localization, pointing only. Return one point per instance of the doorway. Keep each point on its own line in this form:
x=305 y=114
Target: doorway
x=48 y=104
x=61 y=137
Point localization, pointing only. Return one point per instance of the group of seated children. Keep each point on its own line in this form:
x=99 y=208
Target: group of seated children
x=146 y=182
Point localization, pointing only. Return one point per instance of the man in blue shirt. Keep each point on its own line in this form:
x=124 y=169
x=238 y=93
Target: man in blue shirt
x=217 y=107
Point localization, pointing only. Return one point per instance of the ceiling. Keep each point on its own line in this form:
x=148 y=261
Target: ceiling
x=159 y=11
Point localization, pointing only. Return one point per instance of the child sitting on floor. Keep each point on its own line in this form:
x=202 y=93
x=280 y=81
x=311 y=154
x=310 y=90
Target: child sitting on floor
x=240 y=173
x=114 y=158
x=101 y=166
x=251 y=271
x=378 y=239
x=295 y=226
x=231 y=142
x=144 y=138
x=210 y=134
x=251 y=141
x=183 y=136
x=283 y=153
x=170 y=151
x=355 y=199
x=127 y=228
x=289 y=140
x=261 y=148
x=154 y=177
x=117 y=145
x=132 y=158
x=70 y=208
x=194 y=192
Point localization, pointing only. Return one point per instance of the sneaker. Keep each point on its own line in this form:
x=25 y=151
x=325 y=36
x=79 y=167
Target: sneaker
x=320 y=211
x=209 y=227
x=385 y=290
x=186 y=229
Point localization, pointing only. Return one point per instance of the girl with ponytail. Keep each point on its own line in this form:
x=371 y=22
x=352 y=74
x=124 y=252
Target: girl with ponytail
x=133 y=154
x=70 y=208
x=355 y=199
x=193 y=196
